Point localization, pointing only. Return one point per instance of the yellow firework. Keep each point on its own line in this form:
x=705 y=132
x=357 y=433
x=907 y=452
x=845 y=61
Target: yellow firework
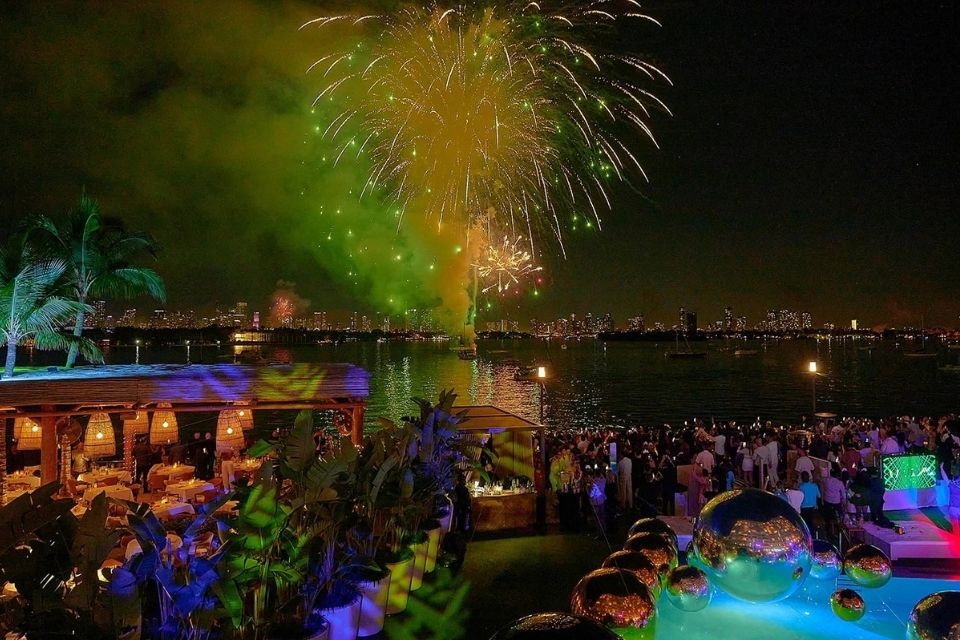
x=502 y=110
x=504 y=265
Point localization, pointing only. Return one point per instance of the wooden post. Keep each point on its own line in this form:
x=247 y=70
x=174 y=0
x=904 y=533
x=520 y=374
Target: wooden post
x=128 y=438
x=356 y=431
x=49 y=455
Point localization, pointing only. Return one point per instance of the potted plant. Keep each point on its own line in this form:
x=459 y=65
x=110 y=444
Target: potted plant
x=182 y=585
x=320 y=495
x=54 y=559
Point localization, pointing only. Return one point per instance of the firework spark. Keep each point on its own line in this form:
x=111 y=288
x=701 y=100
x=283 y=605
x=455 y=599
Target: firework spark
x=282 y=310
x=504 y=265
x=504 y=110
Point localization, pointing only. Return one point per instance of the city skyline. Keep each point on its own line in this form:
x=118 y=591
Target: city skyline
x=775 y=184
x=687 y=320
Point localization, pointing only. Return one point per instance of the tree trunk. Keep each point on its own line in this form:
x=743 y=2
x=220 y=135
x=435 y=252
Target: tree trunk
x=75 y=348
x=3 y=455
x=11 y=359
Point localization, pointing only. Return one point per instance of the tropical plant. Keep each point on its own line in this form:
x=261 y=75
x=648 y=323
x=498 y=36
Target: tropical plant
x=29 y=308
x=321 y=493
x=406 y=469
x=98 y=254
x=184 y=583
x=54 y=558
x=436 y=611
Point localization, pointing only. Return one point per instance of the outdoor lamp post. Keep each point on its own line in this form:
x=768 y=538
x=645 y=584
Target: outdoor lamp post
x=541 y=380
x=541 y=501
x=812 y=369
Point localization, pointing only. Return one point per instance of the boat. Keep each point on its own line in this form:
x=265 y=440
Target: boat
x=746 y=352
x=686 y=355
x=689 y=354
x=951 y=368
x=922 y=351
x=467 y=353
x=953 y=346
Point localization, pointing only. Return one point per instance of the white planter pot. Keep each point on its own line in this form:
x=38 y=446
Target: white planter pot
x=433 y=548
x=399 y=590
x=374 y=605
x=447 y=520
x=419 y=563
x=343 y=622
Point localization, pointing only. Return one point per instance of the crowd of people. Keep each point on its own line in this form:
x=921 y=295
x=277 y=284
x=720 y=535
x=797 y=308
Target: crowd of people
x=830 y=469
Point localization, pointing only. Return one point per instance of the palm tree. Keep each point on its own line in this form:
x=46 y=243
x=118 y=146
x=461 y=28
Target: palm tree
x=97 y=252
x=29 y=308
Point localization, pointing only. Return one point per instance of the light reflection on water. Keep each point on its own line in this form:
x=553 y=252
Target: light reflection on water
x=631 y=383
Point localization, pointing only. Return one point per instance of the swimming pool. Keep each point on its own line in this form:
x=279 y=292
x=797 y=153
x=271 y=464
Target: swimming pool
x=804 y=616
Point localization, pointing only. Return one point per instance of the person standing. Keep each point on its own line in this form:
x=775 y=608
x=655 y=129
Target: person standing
x=834 y=492
x=80 y=462
x=746 y=463
x=142 y=454
x=625 y=481
x=706 y=460
x=773 y=460
x=811 y=500
x=668 y=484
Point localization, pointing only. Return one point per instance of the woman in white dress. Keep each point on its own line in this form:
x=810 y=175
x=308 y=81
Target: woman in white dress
x=746 y=464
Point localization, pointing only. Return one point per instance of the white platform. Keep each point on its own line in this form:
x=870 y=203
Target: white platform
x=920 y=539
x=938 y=496
x=682 y=526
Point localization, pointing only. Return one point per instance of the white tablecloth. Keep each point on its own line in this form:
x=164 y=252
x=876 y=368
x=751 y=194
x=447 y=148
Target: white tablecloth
x=22 y=478
x=171 y=472
x=115 y=491
x=93 y=477
x=10 y=496
x=167 y=510
x=229 y=469
x=188 y=489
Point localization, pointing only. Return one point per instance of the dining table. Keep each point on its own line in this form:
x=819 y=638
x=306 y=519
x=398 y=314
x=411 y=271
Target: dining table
x=117 y=491
x=102 y=474
x=165 y=508
x=11 y=495
x=231 y=469
x=21 y=478
x=161 y=474
x=188 y=490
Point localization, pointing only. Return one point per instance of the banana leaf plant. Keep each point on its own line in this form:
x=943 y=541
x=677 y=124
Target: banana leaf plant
x=263 y=562
x=54 y=561
x=183 y=584
x=407 y=468
x=321 y=494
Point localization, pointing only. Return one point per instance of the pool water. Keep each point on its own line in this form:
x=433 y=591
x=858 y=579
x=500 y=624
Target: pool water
x=806 y=615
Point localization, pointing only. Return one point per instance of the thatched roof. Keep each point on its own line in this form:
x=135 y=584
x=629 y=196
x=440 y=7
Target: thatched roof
x=185 y=385
x=492 y=419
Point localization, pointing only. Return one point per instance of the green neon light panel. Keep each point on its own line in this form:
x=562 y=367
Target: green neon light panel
x=909 y=472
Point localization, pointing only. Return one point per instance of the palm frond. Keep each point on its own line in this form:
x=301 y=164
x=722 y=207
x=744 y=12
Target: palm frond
x=128 y=282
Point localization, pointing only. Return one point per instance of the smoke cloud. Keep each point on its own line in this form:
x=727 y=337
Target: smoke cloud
x=197 y=125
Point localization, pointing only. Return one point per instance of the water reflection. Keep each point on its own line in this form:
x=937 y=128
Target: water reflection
x=626 y=383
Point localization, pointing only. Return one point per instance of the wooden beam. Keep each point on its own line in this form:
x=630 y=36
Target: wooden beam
x=205 y=408
x=49 y=456
x=356 y=431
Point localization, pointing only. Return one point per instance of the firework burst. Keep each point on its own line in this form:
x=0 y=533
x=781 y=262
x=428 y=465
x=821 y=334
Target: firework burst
x=502 y=110
x=505 y=265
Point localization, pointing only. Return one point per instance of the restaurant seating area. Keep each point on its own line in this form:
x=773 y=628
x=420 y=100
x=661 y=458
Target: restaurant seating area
x=336 y=532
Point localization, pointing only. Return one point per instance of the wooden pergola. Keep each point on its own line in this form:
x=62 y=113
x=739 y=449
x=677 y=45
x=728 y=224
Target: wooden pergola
x=47 y=396
x=495 y=421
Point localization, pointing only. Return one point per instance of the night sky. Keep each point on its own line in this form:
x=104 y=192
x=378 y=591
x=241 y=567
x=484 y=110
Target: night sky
x=811 y=162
